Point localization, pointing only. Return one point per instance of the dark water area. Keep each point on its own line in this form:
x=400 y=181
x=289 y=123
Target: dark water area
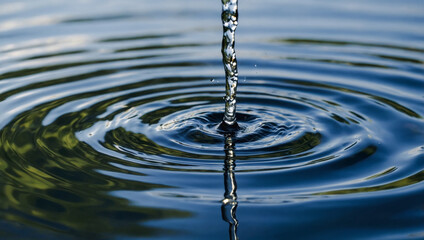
x=110 y=113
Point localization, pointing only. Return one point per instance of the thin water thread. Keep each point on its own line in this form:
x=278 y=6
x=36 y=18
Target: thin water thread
x=229 y=18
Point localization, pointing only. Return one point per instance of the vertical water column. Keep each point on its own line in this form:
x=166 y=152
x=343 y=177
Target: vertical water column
x=229 y=203
x=229 y=20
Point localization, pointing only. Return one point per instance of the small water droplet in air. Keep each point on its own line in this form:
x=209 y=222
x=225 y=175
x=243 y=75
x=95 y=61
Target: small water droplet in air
x=212 y=80
x=255 y=65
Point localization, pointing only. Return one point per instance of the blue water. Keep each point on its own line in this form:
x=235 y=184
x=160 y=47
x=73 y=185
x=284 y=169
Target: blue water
x=110 y=113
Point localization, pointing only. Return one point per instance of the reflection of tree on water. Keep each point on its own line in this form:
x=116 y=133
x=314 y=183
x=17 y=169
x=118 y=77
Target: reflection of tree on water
x=52 y=183
x=229 y=203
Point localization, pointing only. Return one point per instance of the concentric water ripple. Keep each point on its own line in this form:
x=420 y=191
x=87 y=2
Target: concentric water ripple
x=109 y=124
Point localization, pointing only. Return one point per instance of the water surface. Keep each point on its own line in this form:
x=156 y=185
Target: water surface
x=110 y=113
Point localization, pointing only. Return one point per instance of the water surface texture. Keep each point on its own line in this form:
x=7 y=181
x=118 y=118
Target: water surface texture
x=109 y=115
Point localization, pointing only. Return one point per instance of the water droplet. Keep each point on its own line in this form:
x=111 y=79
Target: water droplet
x=212 y=80
x=255 y=65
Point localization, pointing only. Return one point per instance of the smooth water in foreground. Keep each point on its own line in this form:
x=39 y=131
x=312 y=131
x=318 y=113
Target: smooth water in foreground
x=109 y=115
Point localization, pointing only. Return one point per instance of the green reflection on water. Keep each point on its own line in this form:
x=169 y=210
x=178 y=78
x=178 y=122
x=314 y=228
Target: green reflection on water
x=52 y=181
x=413 y=179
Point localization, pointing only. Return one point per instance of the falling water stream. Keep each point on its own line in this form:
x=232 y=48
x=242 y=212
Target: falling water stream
x=111 y=130
x=229 y=204
x=230 y=21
